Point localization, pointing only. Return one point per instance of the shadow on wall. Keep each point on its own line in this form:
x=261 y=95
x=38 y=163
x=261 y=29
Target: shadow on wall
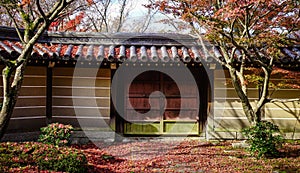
x=228 y=121
x=286 y=116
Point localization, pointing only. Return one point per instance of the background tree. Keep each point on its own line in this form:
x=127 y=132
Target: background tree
x=75 y=7
x=116 y=16
x=35 y=17
x=102 y=16
x=243 y=31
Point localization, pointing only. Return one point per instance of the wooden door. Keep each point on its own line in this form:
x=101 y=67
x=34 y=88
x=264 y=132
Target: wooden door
x=141 y=121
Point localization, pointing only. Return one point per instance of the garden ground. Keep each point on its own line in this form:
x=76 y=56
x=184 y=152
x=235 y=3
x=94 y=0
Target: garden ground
x=180 y=156
x=186 y=156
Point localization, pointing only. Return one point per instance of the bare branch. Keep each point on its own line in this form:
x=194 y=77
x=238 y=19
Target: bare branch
x=282 y=100
x=104 y=14
x=232 y=24
x=172 y=23
x=265 y=87
x=41 y=11
x=93 y=23
x=16 y=25
x=231 y=58
x=146 y=24
x=120 y=23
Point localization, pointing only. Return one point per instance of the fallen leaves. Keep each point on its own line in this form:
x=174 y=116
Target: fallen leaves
x=184 y=156
x=176 y=156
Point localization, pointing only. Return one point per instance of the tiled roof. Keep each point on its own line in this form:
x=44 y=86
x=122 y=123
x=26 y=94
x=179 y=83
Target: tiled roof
x=93 y=47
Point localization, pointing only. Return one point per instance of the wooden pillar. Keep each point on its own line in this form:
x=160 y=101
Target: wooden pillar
x=112 y=119
x=209 y=128
x=118 y=94
x=211 y=89
x=49 y=95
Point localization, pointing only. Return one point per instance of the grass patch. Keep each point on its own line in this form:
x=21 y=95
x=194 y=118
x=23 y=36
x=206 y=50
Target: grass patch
x=33 y=156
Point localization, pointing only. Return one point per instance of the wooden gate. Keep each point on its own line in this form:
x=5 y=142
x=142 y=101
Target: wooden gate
x=139 y=120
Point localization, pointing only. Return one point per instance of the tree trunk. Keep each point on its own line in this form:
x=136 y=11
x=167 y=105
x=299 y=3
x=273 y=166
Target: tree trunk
x=10 y=92
x=248 y=110
x=34 y=27
x=6 y=113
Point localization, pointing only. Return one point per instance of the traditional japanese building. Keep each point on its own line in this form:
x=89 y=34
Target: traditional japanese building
x=141 y=84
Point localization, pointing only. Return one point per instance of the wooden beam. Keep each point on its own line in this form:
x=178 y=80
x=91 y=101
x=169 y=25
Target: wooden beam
x=49 y=95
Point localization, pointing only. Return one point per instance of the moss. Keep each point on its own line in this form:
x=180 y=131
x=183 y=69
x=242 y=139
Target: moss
x=25 y=16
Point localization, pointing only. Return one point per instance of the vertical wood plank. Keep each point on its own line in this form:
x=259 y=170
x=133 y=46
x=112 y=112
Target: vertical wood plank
x=120 y=99
x=49 y=95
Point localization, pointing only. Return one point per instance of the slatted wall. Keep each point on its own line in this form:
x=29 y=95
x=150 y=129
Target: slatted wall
x=81 y=98
x=229 y=118
x=286 y=115
x=30 y=110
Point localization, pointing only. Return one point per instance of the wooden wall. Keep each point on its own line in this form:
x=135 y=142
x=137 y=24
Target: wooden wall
x=228 y=118
x=81 y=98
x=29 y=113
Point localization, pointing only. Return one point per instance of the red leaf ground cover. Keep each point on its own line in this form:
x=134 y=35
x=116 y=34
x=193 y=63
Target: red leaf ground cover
x=185 y=156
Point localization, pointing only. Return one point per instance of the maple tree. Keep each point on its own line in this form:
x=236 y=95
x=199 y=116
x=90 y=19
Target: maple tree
x=242 y=31
x=69 y=25
x=34 y=16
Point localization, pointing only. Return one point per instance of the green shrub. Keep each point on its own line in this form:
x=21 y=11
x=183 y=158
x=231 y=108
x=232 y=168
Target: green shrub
x=56 y=134
x=264 y=139
x=60 y=159
x=42 y=157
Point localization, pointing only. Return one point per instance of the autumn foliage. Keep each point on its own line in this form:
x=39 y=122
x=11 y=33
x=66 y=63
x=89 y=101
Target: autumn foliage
x=25 y=2
x=30 y=19
x=243 y=31
x=69 y=25
x=251 y=22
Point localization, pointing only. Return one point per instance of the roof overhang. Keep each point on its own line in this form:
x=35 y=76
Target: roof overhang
x=91 y=49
